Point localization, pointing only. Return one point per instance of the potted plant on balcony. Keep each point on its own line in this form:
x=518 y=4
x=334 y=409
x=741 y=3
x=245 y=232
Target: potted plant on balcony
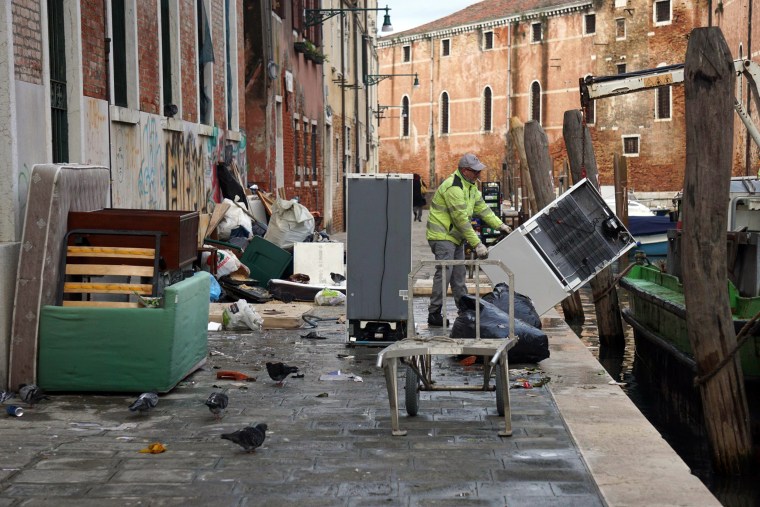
x=301 y=46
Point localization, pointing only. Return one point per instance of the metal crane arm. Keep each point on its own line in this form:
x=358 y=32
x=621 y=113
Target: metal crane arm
x=599 y=87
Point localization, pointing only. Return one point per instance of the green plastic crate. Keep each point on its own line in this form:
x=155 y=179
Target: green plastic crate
x=265 y=260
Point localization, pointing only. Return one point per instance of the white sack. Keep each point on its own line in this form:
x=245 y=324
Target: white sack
x=290 y=223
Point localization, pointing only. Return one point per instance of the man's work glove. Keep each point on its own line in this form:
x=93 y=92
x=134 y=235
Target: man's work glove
x=505 y=229
x=481 y=251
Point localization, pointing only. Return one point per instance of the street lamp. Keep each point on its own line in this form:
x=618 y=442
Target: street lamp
x=314 y=17
x=373 y=79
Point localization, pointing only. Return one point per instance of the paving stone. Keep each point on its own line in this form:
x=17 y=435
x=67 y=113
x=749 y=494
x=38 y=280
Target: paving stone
x=273 y=499
x=527 y=474
x=158 y=475
x=210 y=492
x=75 y=463
x=437 y=488
x=20 y=490
x=565 y=501
x=363 y=489
x=62 y=476
x=84 y=502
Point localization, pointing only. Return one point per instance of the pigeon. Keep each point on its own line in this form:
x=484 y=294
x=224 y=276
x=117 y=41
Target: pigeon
x=337 y=278
x=144 y=402
x=31 y=394
x=6 y=395
x=249 y=438
x=280 y=371
x=216 y=403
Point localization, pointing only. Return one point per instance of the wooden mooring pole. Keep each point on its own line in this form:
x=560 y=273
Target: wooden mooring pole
x=540 y=167
x=709 y=85
x=516 y=130
x=580 y=152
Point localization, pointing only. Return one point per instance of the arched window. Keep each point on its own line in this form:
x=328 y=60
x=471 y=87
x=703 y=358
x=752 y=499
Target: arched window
x=444 y=113
x=487 y=106
x=535 y=101
x=405 y=117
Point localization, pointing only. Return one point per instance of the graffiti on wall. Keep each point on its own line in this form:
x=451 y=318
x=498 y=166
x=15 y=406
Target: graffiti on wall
x=151 y=178
x=155 y=167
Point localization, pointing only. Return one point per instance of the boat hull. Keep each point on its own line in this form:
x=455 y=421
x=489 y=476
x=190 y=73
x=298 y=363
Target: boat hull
x=657 y=306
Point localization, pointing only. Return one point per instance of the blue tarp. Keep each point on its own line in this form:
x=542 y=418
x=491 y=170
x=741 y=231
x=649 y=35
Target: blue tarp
x=642 y=226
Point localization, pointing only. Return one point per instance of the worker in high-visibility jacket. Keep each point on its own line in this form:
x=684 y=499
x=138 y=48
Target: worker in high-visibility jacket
x=449 y=225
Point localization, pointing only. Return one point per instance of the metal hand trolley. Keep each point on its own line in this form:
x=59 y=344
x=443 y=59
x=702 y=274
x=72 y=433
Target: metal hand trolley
x=416 y=352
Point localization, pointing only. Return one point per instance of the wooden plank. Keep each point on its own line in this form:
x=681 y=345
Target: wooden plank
x=709 y=85
x=108 y=269
x=277 y=315
x=424 y=287
x=107 y=288
x=216 y=217
x=580 y=152
x=107 y=251
x=102 y=304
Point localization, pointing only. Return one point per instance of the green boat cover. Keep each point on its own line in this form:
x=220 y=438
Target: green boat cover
x=126 y=349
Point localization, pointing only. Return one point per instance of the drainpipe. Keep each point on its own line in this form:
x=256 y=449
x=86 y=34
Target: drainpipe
x=343 y=91
x=509 y=73
x=107 y=41
x=342 y=85
x=432 y=179
x=355 y=40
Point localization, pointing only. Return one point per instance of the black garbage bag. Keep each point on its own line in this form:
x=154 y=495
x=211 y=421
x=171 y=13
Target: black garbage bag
x=230 y=186
x=532 y=344
x=524 y=309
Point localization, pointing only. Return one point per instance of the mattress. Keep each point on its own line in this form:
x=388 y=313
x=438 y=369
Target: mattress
x=54 y=190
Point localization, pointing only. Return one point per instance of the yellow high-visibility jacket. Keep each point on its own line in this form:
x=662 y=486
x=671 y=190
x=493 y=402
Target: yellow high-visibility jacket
x=454 y=204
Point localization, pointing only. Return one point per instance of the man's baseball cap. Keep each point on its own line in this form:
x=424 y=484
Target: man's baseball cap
x=470 y=161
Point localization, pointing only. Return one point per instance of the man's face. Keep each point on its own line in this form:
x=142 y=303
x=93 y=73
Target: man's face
x=469 y=174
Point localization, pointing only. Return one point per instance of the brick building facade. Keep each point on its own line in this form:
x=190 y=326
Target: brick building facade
x=310 y=118
x=133 y=106
x=497 y=59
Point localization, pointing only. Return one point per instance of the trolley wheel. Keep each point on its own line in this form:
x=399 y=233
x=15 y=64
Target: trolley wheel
x=499 y=393
x=412 y=392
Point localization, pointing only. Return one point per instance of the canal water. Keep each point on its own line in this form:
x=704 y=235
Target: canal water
x=689 y=442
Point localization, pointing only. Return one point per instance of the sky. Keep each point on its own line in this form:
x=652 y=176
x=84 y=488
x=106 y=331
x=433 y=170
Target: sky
x=406 y=14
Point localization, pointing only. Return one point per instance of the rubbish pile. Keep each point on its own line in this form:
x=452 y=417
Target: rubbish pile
x=254 y=246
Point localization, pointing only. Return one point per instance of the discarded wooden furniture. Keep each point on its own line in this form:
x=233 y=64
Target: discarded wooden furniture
x=179 y=243
x=416 y=353
x=98 y=275
x=126 y=349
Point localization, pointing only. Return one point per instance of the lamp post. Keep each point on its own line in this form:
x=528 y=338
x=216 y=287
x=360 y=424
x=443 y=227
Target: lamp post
x=313 y=17
x=373 y=79
x=318 y=16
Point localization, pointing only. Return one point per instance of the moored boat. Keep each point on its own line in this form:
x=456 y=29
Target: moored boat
x=656 y=311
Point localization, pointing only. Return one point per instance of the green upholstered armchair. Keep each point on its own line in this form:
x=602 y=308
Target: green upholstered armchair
x=126 y=349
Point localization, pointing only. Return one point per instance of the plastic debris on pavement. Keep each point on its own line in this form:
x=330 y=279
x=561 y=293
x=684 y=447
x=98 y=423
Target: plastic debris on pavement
x=234 y=375
x=154 y=448
x=338 y=375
